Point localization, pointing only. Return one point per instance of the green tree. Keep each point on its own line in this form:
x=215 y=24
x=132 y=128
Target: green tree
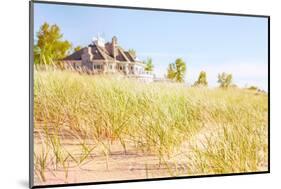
x=78 y=48
x=253 y=88
x=202 y=79
x=225 y=80
x=171 y=71
x=132 y=53
x=148 y=65
x=176 y=71
x=50 y=45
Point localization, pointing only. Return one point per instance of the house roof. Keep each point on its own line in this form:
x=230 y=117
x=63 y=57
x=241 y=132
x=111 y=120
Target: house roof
x=104 y=53
x=76 y=55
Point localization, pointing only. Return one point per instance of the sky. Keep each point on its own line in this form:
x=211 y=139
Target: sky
x=210 y=43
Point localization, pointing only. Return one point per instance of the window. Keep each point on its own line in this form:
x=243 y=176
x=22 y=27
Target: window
x=98 y=66
x=120 y=67
x=110 y=67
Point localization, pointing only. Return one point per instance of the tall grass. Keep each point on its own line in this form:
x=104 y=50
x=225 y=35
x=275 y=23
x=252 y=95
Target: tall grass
x=157 y=118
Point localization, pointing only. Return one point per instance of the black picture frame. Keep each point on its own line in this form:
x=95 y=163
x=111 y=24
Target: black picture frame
x=31 y=92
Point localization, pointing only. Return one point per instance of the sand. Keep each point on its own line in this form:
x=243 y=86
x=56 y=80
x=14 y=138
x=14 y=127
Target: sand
x=120 y=165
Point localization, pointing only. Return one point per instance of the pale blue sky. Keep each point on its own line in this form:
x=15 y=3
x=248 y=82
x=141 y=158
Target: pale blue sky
x=213 y=43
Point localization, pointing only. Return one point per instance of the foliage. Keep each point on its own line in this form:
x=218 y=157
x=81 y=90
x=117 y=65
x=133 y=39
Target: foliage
x=202 y=79
x=171 y=71
x=254 y=88
x=176 y=71
x=225 y=80
x=50 y=45
x=78 y=48
x=148 y=65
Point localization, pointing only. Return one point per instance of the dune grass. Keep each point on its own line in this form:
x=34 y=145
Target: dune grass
x=226 y=129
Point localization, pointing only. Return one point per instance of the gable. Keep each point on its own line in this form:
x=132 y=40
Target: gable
x=103 y=53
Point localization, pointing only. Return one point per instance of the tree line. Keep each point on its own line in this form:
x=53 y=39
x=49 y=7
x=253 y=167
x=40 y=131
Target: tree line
x=176 y=71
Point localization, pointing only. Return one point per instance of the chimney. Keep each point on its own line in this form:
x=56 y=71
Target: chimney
x=87 y=54
x=114 y=45
x=90 y=53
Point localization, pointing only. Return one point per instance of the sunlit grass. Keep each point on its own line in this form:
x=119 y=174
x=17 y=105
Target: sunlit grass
x=226 y=129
